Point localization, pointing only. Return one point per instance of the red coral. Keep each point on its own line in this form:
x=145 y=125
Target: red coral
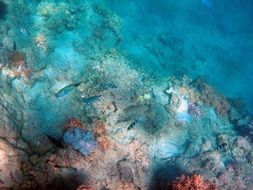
x=74 y=123
x=195 y=182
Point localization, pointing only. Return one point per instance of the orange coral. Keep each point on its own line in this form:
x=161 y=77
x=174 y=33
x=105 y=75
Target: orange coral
x=195 y=182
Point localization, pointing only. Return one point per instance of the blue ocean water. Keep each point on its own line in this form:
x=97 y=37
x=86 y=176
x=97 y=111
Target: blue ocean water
x=217 y=38
x=184 y=66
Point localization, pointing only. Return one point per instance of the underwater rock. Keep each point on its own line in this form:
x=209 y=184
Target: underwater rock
x=84 y=187
x=206 y=146
x=10 y=165
x=224 y=142
x=3 y=58
x=126 y=171
x=17 y=59
x=3 y=29
x=59 y=16
x=241 y=148
x=166 y=148
x=9 y=43
x=250 y=157
x=211 y=98
x=193 y=149
x=182 y=111
x=234 y=115
x=100 y=133
x=212 y=160
x=194 y=110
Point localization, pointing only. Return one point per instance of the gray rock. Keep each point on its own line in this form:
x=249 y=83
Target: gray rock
x=9 y=43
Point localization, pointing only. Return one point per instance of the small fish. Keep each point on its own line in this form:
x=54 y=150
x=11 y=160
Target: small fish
x=108 y=86
x=57 y=142
x=65 y=90
x=91 y=99
x=137 y=121
x=25 y=32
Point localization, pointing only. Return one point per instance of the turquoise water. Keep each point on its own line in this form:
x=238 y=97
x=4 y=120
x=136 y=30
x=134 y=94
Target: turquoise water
x=135 y=66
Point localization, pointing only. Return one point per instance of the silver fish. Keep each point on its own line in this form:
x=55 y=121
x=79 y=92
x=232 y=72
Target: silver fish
x=65 y=90
x=25 y=32
x=91 y=99
x=108 y=86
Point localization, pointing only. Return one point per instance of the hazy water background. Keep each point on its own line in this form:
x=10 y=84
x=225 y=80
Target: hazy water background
x=219 y=33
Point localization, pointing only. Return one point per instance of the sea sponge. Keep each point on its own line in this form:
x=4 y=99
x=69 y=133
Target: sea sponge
x=82 y=141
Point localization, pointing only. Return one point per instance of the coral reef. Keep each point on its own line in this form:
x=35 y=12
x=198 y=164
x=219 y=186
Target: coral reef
x=101 y=135
x=72 y=123
x=194 y=110
x=195 y=182
x=107 y=106
x=16 y=66
x=17 y=59
x=41 y=42
x=210 y=97
x=82 y=141
x=59 y=16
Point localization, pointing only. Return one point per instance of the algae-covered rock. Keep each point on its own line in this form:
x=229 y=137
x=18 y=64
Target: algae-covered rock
x=9 y=43
x=240 y=149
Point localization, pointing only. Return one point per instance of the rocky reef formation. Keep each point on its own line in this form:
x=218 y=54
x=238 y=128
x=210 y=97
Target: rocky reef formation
x=77 y=112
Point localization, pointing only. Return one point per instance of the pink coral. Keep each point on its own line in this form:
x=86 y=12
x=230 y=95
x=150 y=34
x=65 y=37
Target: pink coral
x=195 y=182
